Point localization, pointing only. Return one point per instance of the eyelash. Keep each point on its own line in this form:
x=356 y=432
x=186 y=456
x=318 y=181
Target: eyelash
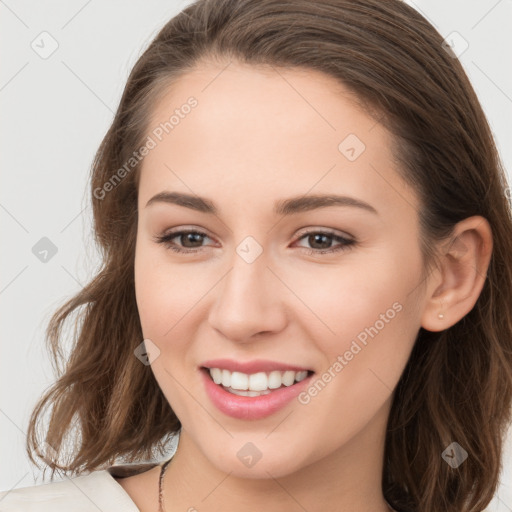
x=346 y=243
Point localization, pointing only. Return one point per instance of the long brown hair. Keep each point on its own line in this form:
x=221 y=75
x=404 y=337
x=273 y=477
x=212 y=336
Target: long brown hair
x=457 y=384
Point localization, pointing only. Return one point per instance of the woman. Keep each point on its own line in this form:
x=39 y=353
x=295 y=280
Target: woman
x=307 y=275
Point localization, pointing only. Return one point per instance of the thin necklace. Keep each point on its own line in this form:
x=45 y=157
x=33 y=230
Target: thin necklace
x=161 y=507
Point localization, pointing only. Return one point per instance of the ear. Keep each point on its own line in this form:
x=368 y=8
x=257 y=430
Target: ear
x=464 y=264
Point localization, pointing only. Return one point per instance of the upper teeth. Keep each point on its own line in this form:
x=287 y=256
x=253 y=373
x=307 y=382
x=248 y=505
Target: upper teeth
x=256 y=381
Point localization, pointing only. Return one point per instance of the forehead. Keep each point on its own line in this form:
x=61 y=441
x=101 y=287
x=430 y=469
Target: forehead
x=258 y=129
x=263 y=98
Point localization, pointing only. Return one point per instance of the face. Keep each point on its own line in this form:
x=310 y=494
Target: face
x=331 y=288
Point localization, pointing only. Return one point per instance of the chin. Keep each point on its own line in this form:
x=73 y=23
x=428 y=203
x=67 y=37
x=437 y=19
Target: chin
x=258 y=460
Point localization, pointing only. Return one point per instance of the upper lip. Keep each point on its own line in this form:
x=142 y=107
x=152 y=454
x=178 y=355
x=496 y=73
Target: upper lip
x=250 y=367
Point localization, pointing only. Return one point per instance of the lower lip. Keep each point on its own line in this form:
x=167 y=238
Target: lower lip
x=251 y=407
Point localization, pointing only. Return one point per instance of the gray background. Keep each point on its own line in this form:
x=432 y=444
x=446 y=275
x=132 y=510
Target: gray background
x=55 y=112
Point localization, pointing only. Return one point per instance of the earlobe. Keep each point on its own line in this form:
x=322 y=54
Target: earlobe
x=464 y=263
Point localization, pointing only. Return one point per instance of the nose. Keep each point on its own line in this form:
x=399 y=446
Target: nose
x=248 y=301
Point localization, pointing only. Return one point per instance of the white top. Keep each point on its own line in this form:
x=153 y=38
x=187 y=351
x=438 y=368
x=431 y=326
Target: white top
x=95 y=491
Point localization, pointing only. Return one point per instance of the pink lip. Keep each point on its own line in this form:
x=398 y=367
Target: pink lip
x=249 y=367
x=250 y=407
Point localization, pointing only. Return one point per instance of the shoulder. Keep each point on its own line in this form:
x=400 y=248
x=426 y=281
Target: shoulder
x=95 y=491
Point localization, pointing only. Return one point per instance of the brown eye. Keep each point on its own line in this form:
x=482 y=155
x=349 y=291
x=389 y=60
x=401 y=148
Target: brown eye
x=189 y=241
x=321 y=242
x=190 y=237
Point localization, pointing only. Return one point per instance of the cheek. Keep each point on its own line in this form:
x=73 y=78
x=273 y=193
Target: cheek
x=341 y=301
x=374 y=334
x=362 y=298
x=168 y=296
x=365 y=313
x=155 y=291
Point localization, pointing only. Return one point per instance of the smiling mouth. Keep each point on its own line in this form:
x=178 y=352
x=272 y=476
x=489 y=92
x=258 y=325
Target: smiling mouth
x=255 y=384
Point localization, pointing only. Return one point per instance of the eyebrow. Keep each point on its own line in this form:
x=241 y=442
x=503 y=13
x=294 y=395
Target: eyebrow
x=281 y=207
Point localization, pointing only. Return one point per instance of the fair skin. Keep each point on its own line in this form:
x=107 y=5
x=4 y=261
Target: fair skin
x=255 y=137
